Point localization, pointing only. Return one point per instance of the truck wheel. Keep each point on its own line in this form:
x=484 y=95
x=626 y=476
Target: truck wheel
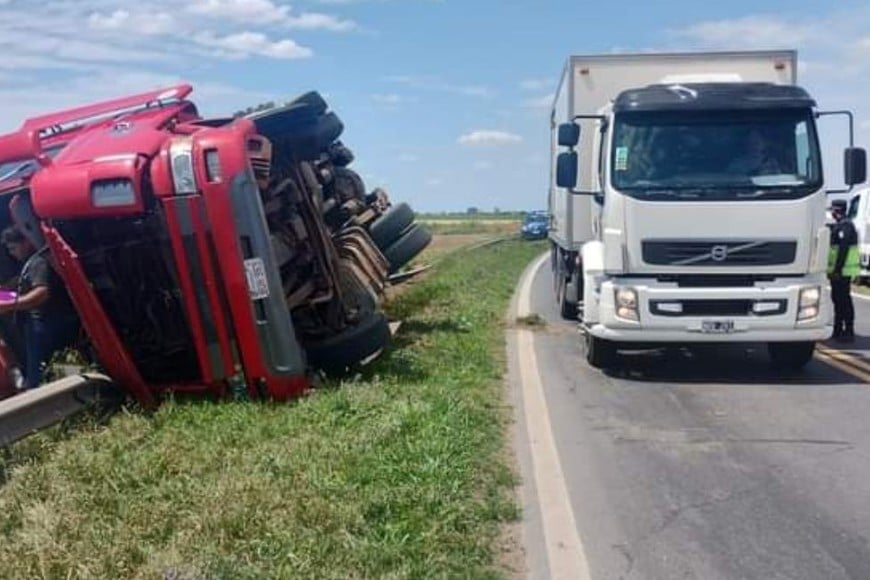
x=389 y=226
x=338 y=353
x=348 y=184
x=600 y=353
x=311 y=101
x=790 y=356
x=567 y=307
x=412 y=242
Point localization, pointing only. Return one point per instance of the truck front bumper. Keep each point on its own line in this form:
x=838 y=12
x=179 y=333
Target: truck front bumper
x=666 y=312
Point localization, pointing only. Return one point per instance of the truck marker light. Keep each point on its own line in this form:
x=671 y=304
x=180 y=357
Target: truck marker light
x=672 y=307
x=181 y=165
x=212 y=166
x=763 y=307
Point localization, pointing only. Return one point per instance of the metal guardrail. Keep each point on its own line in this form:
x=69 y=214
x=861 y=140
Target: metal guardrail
x=30 y=411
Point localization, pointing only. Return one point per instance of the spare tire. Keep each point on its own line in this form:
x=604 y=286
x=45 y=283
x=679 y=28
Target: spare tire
x=412 y=242
x=389 y=227
x=312 y=101
x=338 y=353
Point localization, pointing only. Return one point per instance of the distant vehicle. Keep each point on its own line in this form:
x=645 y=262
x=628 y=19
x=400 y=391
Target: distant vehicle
x=535 y=225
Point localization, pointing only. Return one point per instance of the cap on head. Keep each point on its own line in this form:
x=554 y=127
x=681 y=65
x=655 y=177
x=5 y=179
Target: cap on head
x=838 y=205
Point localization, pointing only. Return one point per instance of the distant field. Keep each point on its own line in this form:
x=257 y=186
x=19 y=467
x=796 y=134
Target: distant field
x=449 y=226
x=480 y=216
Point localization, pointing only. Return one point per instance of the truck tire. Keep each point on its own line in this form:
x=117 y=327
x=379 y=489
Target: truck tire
x=389 y=227
x=567 y=307
x=312 y=101
x=412 y=242
x=600 y=353
x=338 y=353
x=790 y=356
x=347 y=184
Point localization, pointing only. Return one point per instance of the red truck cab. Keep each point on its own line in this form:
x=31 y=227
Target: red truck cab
x=221 y=256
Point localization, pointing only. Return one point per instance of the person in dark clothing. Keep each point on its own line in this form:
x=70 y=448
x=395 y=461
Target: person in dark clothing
x=49 y=320
x=843 y=265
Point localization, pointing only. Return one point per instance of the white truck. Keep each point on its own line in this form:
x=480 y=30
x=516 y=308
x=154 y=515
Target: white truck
x=687 y=203
x=859 y=213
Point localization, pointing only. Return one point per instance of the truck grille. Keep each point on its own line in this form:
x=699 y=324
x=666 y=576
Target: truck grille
x=714 y=307
x=730 y=253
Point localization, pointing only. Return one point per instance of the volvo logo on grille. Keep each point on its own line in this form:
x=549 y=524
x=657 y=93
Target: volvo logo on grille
x=719 y=253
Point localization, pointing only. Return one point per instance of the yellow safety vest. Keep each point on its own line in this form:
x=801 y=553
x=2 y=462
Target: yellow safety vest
x=852 y=265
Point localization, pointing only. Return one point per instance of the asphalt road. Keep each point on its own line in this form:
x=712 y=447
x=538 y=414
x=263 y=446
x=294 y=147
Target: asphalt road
x=690 y=466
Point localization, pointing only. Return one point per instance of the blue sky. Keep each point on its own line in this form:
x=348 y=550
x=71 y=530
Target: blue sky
x=445 y=102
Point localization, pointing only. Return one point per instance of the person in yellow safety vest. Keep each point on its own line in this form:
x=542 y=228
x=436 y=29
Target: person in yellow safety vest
x=843 y=265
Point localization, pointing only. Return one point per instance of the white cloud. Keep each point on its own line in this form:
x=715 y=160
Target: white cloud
x=243 y=44
x=267 y=12
x=122 y=20
x=747 y=32
x=408 y=158
x=388 y=99
x=544 y=102
x=434 y=182
x=434 y=83
x=489 y=137
x=536 y=84
x=248 y=11
x=317 y=21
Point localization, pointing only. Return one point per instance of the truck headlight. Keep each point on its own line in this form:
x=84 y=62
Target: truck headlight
x=626 y=303
x=808 y=303
x=181 y=165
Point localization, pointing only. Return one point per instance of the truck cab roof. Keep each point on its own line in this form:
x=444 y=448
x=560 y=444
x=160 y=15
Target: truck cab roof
x=713 y=96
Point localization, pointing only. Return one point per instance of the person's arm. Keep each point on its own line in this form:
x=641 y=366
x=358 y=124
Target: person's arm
x=28 y=301
x=38 y=273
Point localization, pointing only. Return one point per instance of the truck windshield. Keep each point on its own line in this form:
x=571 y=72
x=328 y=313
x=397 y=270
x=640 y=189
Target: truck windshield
x=715 y=155
x=18 y=169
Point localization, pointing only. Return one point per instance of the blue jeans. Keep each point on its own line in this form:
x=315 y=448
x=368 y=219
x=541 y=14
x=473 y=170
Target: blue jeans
x=42 y=337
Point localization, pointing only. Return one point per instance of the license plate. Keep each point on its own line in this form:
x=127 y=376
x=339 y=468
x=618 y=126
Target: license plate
x=717 y=326
x=255 y=273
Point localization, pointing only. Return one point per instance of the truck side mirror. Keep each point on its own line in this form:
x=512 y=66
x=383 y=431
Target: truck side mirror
x=566 y=170
x=855 y=165
x=569 y=134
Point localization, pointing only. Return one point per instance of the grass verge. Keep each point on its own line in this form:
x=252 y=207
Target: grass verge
x=399 y=473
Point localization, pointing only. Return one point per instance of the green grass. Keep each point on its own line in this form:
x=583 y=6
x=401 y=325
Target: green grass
x=398 y=473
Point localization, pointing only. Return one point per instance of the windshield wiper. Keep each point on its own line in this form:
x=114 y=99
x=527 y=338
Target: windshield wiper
x=763 y=191
x=681 y=193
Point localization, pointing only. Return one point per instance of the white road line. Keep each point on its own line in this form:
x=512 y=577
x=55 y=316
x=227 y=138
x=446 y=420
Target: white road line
x=565 y=555
x=860 y=296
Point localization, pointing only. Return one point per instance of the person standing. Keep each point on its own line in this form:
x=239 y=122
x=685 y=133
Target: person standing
x=50 y=322
x=843 y=265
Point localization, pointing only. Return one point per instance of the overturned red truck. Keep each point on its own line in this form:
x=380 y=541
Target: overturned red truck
x=224 y=256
